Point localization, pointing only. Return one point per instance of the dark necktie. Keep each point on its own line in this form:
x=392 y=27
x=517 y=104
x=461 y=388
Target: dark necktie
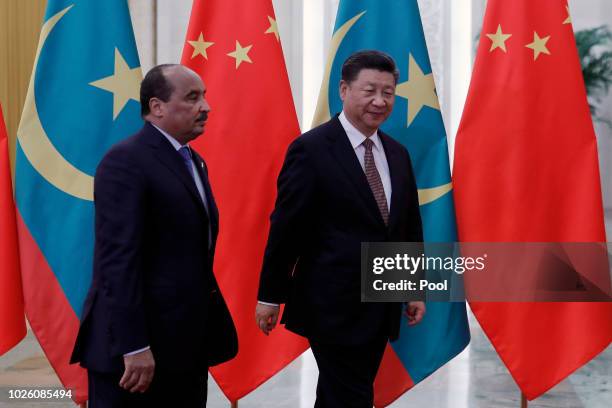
x=186 y=155
x=374 y=180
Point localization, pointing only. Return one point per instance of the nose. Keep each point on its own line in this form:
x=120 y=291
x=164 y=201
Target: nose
x=204 y=106
x=379 y=100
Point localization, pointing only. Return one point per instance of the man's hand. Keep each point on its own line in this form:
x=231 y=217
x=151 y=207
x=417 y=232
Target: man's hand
x=266 y=317
x=415 y=312
x=139 y=369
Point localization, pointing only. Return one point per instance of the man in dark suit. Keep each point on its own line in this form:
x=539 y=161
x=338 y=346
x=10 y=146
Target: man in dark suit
x=154 y=319
x=342 y=183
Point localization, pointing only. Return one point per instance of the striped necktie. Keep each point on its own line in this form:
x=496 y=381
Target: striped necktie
x=374 y=180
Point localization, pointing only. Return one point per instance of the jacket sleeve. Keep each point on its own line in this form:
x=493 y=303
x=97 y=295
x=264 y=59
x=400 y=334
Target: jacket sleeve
x=289 y=221
x=119 y=195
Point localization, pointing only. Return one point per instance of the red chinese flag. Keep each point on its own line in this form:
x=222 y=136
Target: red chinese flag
x=12 y=321
x=526 y=170
x=234 y=45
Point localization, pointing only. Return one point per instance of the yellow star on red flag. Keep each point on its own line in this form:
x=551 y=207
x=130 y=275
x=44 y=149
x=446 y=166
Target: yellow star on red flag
x=273 y=29
x=498 y=39
x=241 y=54
x=200 y=46
x=539 y=45
x=568 y=20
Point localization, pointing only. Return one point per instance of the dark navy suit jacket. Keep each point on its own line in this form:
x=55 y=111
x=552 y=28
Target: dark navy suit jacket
x=153 y=282
x=324 y=210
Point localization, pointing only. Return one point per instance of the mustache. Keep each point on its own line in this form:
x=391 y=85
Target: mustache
x=202 y=117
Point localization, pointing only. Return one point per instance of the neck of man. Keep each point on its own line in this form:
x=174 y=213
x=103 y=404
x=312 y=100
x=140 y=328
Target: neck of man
x=156 y=122
x=366 y=132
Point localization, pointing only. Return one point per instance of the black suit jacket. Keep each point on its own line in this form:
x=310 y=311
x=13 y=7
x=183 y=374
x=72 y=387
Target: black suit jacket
x=153 y=282
x=324 y=210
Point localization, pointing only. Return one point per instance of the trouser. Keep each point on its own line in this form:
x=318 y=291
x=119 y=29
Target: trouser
x=347 y=373
x=166 y=390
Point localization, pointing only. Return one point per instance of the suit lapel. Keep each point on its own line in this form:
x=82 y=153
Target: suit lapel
x=395 y=173
x=170 y=158
x=342 y=149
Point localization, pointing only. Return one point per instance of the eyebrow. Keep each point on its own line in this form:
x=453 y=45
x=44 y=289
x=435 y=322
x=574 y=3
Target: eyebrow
x=374 y=84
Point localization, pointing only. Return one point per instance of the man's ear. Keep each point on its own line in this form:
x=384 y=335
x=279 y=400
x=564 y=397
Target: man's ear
x=343 y=89
x=156 y=106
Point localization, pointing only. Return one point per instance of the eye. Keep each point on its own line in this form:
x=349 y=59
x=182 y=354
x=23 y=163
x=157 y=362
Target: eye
x=193 y=96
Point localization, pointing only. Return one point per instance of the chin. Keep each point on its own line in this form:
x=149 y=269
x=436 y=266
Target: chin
x=375 y=124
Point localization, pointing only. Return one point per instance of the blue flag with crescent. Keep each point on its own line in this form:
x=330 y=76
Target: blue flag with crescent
x=82 y=98
x=394 y=26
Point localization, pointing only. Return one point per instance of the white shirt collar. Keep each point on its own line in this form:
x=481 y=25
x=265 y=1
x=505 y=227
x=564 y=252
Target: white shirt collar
x=175 y=143
x=355 y=136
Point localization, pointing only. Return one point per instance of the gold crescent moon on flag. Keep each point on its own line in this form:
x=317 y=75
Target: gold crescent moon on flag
x=35 y=143
x=428 y=195
x=322 y=114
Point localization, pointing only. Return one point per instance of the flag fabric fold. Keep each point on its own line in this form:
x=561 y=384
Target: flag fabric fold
x=526 y=170
x=12 y=318
x=395 y=27
x=235 y=46
x=81 y=100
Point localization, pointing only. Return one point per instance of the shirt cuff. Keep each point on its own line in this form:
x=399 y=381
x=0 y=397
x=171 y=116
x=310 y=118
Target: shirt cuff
x=131 y=353
x=268 y=303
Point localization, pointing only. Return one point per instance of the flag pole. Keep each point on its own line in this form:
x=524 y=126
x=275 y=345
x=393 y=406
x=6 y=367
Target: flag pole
x=523 y=401
x=234 y=404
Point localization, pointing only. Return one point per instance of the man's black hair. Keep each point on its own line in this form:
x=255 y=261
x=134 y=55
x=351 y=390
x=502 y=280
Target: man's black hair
x=368 y=59
x=155 y=85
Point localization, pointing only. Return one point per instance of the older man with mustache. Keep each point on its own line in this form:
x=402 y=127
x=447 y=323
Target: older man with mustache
x=154 y=319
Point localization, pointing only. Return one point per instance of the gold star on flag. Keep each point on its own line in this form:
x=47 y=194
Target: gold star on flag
x=568 y=20
x=124 y=84
x=538 y=45
x=200 y=46
x=241 y=54
x=273 y=29
x=498 y=39
x=420 y=90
